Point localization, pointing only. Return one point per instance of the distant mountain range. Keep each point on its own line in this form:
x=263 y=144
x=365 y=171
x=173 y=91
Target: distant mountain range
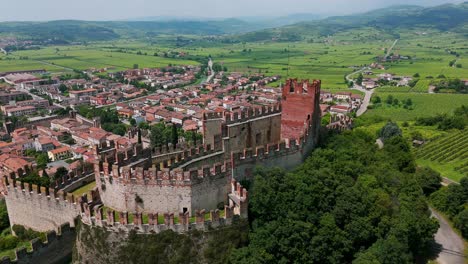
x=448 y=17
x=293 y=27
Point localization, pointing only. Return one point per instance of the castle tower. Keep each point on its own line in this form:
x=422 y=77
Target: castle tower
x=300 y=105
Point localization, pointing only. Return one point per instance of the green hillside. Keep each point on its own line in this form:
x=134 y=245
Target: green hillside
x=388 y=21
x=392 y=20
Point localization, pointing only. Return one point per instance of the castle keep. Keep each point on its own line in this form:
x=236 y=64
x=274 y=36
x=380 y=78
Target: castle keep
x=180 y=183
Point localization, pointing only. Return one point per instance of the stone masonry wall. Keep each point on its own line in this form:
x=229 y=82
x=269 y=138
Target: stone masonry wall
x=38 y=208
x=168 y=190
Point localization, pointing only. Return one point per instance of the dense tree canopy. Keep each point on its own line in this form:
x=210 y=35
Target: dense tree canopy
x=349 y=202
x=162 y=134
x=109 y=119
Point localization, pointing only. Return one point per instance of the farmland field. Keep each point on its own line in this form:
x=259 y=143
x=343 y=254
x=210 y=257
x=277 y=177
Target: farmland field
x=421 y=86
x=423 y=105
x=328 y=59
x=447 y=155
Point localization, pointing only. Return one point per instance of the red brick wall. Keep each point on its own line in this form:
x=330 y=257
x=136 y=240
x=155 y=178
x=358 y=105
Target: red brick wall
x=299 y=103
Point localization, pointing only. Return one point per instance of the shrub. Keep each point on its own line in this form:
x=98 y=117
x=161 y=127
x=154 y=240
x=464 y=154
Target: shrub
x=26 y=233
x=8 y=242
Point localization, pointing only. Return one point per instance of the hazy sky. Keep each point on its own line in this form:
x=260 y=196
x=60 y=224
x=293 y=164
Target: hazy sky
x=29 y=10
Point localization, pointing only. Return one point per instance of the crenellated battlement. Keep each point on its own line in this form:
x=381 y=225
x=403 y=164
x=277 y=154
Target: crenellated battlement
x=33 y=191
x=303 y=87
x=96 y=214
x=123 y=156
x=271 y=151
x=178 y=158
x=55 y=249
x=151 y=223
x=160 y=176
x=39 y=208
x=244 y=115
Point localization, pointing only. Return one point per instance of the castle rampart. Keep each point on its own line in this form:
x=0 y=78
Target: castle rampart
x=57 y=249
x=146 y=190
x=39 y=208
x=95 y=214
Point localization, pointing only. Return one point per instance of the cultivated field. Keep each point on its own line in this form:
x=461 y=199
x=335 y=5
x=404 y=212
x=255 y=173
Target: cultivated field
x=424 y=105
x=326 y=58
x=447 y=154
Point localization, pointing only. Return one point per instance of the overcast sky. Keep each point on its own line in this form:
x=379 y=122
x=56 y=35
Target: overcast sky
x=34 y=10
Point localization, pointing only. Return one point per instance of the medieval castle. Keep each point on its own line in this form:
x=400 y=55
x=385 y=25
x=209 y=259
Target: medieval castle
x=151 y=190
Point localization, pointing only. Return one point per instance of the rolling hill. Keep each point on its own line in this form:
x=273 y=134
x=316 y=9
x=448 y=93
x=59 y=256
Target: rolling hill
x=448 y=17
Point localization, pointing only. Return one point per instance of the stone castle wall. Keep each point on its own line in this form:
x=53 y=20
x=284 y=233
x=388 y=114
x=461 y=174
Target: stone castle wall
x=39 y=208
x=287 y=154
x=93 y=213
x=126 y=189
x=238 y=130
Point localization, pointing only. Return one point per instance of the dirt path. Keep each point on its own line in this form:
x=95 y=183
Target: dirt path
x=391 y=48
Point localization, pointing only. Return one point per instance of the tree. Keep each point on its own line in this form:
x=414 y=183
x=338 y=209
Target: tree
x=139 y=136
x=156 y=135
x=428 y=179
x=390 y=130
x=4 y=220
x=194 y=138
x=44 y=173
x=174 y=135
x=389 y=99
x=60 y=173
x=63 y=88
x=359 y=79
x=133 y=122
x=42 y=160
x=376 y=100
x=416 y=75
x=461 y=222
x=135 y=66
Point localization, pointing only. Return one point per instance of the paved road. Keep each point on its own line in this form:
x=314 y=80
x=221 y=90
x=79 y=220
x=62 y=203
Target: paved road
x=348 y=77
x=452 y=245
x=210 y=65
x=365 y=103
x=368 y=93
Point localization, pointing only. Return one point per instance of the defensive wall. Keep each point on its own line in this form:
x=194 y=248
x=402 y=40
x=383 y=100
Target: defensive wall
x=95 y=214
x=57 y=249
x=154 y=189
x=39 y=208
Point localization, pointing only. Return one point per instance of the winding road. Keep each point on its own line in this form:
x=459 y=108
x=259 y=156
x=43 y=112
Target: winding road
x=210 y=65
x=448 y=242
x=368 y=93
